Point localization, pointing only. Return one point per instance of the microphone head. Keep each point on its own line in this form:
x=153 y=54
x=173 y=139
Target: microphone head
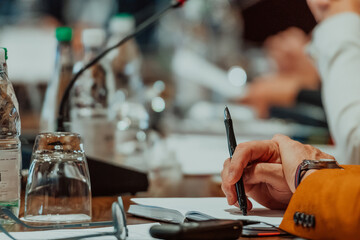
x=179 y=3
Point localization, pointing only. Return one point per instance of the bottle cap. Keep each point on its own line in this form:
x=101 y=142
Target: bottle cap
x=94 y=37
x=6 y=53
x=122 y=23
x=63 y=34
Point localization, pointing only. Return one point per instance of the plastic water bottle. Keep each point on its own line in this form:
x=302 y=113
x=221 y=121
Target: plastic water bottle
x=90 y=100
x=127 y=108
x=10 y=145
x=126 y=59
x=60 y=80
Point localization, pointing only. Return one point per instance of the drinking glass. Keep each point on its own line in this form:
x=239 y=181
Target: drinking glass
x=58 y=187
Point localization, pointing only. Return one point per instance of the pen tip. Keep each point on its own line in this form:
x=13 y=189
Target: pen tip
x=226 y=113
x=244 y=211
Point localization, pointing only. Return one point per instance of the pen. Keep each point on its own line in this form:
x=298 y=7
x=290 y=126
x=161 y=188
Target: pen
x=239 y=186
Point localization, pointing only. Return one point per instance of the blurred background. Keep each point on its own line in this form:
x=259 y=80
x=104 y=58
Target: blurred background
x=247 y=54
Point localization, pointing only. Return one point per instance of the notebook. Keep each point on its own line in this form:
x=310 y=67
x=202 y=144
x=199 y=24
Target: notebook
x=176 y=210
x=166 y=214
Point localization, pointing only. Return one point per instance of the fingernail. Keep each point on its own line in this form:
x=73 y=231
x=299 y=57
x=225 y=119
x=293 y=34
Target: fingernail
x=249 y=205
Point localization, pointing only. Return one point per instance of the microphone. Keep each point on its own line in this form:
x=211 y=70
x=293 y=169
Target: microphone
x=63 y=113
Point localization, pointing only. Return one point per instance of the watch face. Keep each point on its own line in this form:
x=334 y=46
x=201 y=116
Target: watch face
x=327 y=160
x=307 y=161
x=319 y=164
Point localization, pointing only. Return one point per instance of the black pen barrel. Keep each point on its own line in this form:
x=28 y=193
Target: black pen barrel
x=240 y=191
x=239 y=186
x=230 y=136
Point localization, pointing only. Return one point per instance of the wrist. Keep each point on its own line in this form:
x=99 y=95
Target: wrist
x=307 y=167
x=305 y=175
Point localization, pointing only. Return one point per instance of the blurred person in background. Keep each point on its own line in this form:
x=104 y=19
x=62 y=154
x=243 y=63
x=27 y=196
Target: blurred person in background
x=294 y=72
x=335 y=48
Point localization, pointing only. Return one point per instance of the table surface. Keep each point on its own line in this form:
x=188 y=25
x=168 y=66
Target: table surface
x=187 y=186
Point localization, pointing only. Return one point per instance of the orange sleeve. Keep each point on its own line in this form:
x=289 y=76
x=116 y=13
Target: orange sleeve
x=331 y=197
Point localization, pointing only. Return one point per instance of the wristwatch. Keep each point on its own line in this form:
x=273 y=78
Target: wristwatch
x=306 y=165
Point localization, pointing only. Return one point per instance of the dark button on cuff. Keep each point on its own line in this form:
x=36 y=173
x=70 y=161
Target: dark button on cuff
x=306 y=222
x=296 y=218
x=312 y=221
x=301 y=218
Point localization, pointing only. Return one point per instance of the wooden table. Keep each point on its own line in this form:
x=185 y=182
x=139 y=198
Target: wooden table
x=188 y=186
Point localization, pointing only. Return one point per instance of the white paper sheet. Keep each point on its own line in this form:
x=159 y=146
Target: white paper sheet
x=136 y=232
x=215 y=207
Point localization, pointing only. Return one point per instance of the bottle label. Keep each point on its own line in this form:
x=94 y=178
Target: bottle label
x=9 y=175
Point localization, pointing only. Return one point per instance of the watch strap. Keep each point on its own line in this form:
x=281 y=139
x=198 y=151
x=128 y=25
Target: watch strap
x=306 y=165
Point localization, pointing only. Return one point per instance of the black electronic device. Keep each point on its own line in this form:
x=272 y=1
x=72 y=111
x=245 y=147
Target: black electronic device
x=262 y=230
x=108 y=179
x=214 y=229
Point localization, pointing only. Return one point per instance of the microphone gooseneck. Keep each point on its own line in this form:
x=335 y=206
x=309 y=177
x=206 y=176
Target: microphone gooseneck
x=63 y=113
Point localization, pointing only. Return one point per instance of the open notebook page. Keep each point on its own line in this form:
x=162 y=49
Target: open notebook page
x=215 y=207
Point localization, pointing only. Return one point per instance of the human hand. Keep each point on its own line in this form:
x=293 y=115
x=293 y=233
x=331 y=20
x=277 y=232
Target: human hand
x=287 y=49
x=322 y=9
x=268 y=169
x=272 y=90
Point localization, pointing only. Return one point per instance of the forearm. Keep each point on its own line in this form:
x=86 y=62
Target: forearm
x=336 y=50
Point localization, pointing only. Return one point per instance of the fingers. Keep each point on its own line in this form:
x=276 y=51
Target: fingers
x=261 y=151
x=264 y=151
x=266 y=184
x=230 y=193
x=269 y=169
x=227 y=188
x=269 y=173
